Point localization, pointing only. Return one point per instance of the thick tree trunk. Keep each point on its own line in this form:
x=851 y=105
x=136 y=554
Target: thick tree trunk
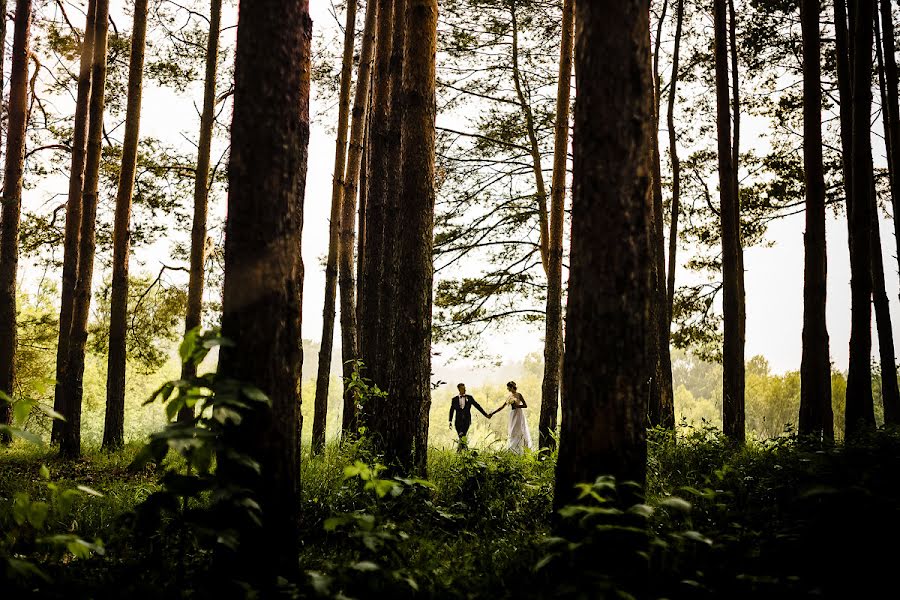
x=263 y=289
x=540 y=189
x=349 y=331
x=892 y=108
x=373 y=350
x=197 y=277
x=860 y=413
x=323 y=374
x=816 y=419
x=114 y=425
x=73 y=216
x=608 y=325
x=411 y=386
x=733 y=350
x=553 y=333
x=661 y=410
x=676 y=164
x=890 y=391
x=70 y=443
x=12 y=199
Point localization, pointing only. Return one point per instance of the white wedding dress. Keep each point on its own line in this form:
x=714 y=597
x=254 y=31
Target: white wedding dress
x=519 y=437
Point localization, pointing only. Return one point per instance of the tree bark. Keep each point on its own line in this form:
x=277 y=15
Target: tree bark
x=411 y=386
x=676 y=164
x=349 y=331
x=553 y=333
x=70 y=443
x=816 y=419
x=736 y=160
x=114 y=424
x=733 y=349
x=390 y=285
x=661 y=403
x=73 y=216
x=197 y=277
x=533 y=147
x=373 y=350
x=860 y=413
x=12 y=200
x=263 y=289
x=890 y=391
x=323 y=374
x=892 y=108
x=609 y=322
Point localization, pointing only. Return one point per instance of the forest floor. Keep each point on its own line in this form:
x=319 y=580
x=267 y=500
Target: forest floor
x=770 y=520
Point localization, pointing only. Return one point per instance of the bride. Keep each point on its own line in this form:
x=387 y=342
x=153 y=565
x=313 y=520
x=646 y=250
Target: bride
x=519 y=437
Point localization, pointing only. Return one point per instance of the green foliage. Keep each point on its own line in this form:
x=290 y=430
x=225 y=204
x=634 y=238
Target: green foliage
x=154 y=321
x=209 y=504
x=38 y=526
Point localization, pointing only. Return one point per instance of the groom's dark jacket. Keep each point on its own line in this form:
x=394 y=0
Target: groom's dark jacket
x=463 y=415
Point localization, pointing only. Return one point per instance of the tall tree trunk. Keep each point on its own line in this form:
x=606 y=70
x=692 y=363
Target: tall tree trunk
x=349 y=332
x=411 y=388
x=892 y=108
x=661 y=403
x=860 y=413
x=733 y=350
x=323 y=374
x=608 y=321
x=735 y=164
x=114 y=424
x=553 y=335
x=535 y=150
x=890 y=391
x=816 y=419
x=197 y=277
x=73 y=216
x=373 y=350
x=263 y=290
x=70 y=443
x=12 y=200
x=5 y=409
x=676 y=164
x=390 y=290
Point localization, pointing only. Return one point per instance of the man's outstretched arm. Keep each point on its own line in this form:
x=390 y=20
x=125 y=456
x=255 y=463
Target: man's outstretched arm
x=481 y=410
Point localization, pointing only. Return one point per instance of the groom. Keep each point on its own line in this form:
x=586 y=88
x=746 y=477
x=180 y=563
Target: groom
x=462 y=406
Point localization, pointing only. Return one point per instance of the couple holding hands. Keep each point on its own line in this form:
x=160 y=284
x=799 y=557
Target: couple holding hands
x=461 y=406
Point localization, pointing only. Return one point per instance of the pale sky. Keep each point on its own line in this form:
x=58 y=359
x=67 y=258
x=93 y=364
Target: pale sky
x=774 y=276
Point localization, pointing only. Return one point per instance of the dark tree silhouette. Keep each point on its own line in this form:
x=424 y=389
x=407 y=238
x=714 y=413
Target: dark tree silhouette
x=609 y=324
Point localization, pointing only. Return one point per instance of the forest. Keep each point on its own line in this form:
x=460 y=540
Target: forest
x=645 y=253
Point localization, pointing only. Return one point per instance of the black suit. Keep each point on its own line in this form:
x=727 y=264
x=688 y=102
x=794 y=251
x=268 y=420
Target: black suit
x=464 y=414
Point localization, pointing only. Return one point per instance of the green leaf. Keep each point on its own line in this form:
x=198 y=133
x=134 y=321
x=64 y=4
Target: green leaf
x=21 y=505
x=320 y=582
x=697 y=537
x=47 y=410
x=365 y=566
x=676 y=504
x=332 y=523
x=21 y=410
x=44 y=472
x=254 y=393
x=37 y=514
x=25 y=569
x=188 y=344
x=31 y=438
x=89 y=491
